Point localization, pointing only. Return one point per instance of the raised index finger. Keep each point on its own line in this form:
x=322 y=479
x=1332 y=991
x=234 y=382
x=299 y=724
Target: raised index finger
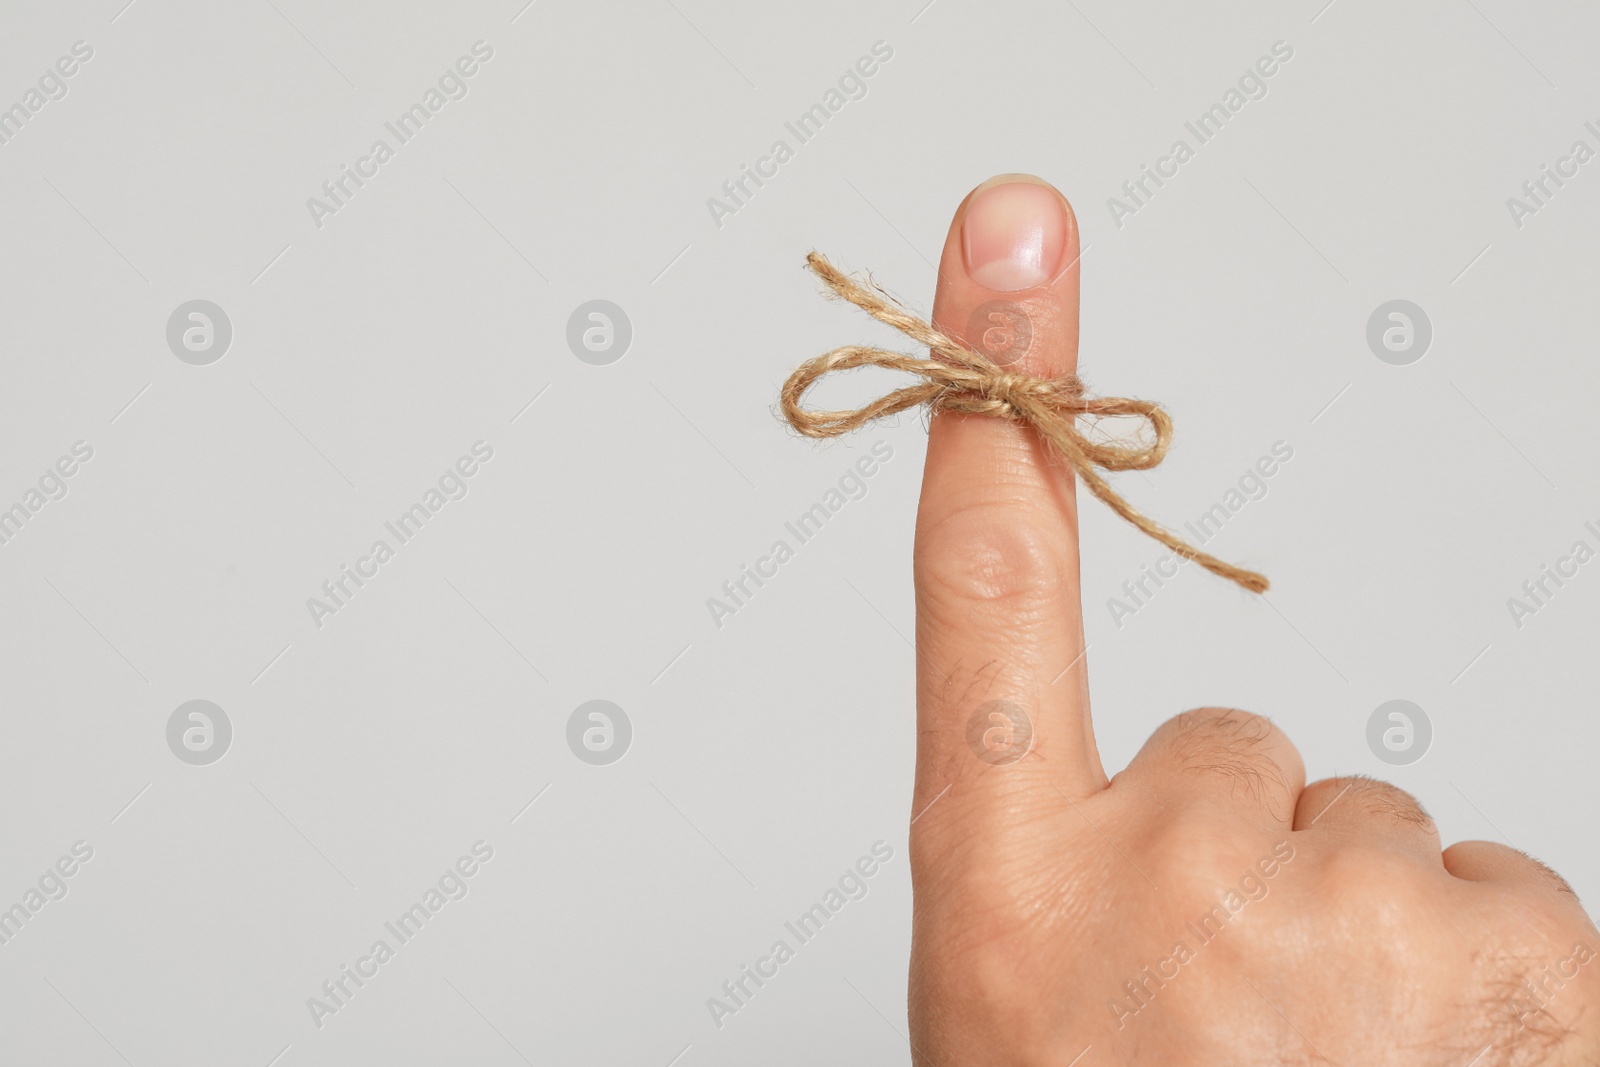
x=1002 y=695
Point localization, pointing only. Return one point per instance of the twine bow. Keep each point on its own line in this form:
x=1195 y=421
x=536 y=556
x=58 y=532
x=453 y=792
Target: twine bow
x=962 y=379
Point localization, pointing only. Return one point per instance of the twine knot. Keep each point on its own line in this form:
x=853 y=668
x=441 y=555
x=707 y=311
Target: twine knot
x=964 y=380
x=1013 y=393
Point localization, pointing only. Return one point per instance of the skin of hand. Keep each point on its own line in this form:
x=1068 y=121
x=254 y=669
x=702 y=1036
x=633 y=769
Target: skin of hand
x=1206 y=906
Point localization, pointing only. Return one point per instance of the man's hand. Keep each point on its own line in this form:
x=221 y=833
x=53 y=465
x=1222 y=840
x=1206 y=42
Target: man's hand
x=1206 y=906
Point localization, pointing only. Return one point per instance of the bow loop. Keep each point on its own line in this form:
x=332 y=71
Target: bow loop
x=964 y=380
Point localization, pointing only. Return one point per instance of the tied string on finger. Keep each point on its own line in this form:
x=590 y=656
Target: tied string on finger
x=964 y=380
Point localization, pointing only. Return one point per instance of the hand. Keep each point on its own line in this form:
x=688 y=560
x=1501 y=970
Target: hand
x=1206 y=906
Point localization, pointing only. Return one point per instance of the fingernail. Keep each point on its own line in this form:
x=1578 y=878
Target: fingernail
x=1015 y=233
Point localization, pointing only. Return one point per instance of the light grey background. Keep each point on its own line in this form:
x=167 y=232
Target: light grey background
x=767 y=754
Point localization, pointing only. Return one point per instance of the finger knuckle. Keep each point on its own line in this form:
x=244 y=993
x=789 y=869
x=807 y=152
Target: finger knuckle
x=989 y=554
x=1549 y=875
x=1211 y=726
x=1372 y=797
x=1245 y=749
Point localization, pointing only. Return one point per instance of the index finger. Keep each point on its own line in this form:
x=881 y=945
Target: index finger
x=1002 y=684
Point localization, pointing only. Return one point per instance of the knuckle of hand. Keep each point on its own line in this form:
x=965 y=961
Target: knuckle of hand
x=1241 y=747
x=1206 y=730
x=1375 y=797
x=990 y=554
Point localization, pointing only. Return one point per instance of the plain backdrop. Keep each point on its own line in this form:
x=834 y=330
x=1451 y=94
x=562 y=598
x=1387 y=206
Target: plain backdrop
x=374 y=345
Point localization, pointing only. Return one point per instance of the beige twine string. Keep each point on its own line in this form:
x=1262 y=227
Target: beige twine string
x=964 y=380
